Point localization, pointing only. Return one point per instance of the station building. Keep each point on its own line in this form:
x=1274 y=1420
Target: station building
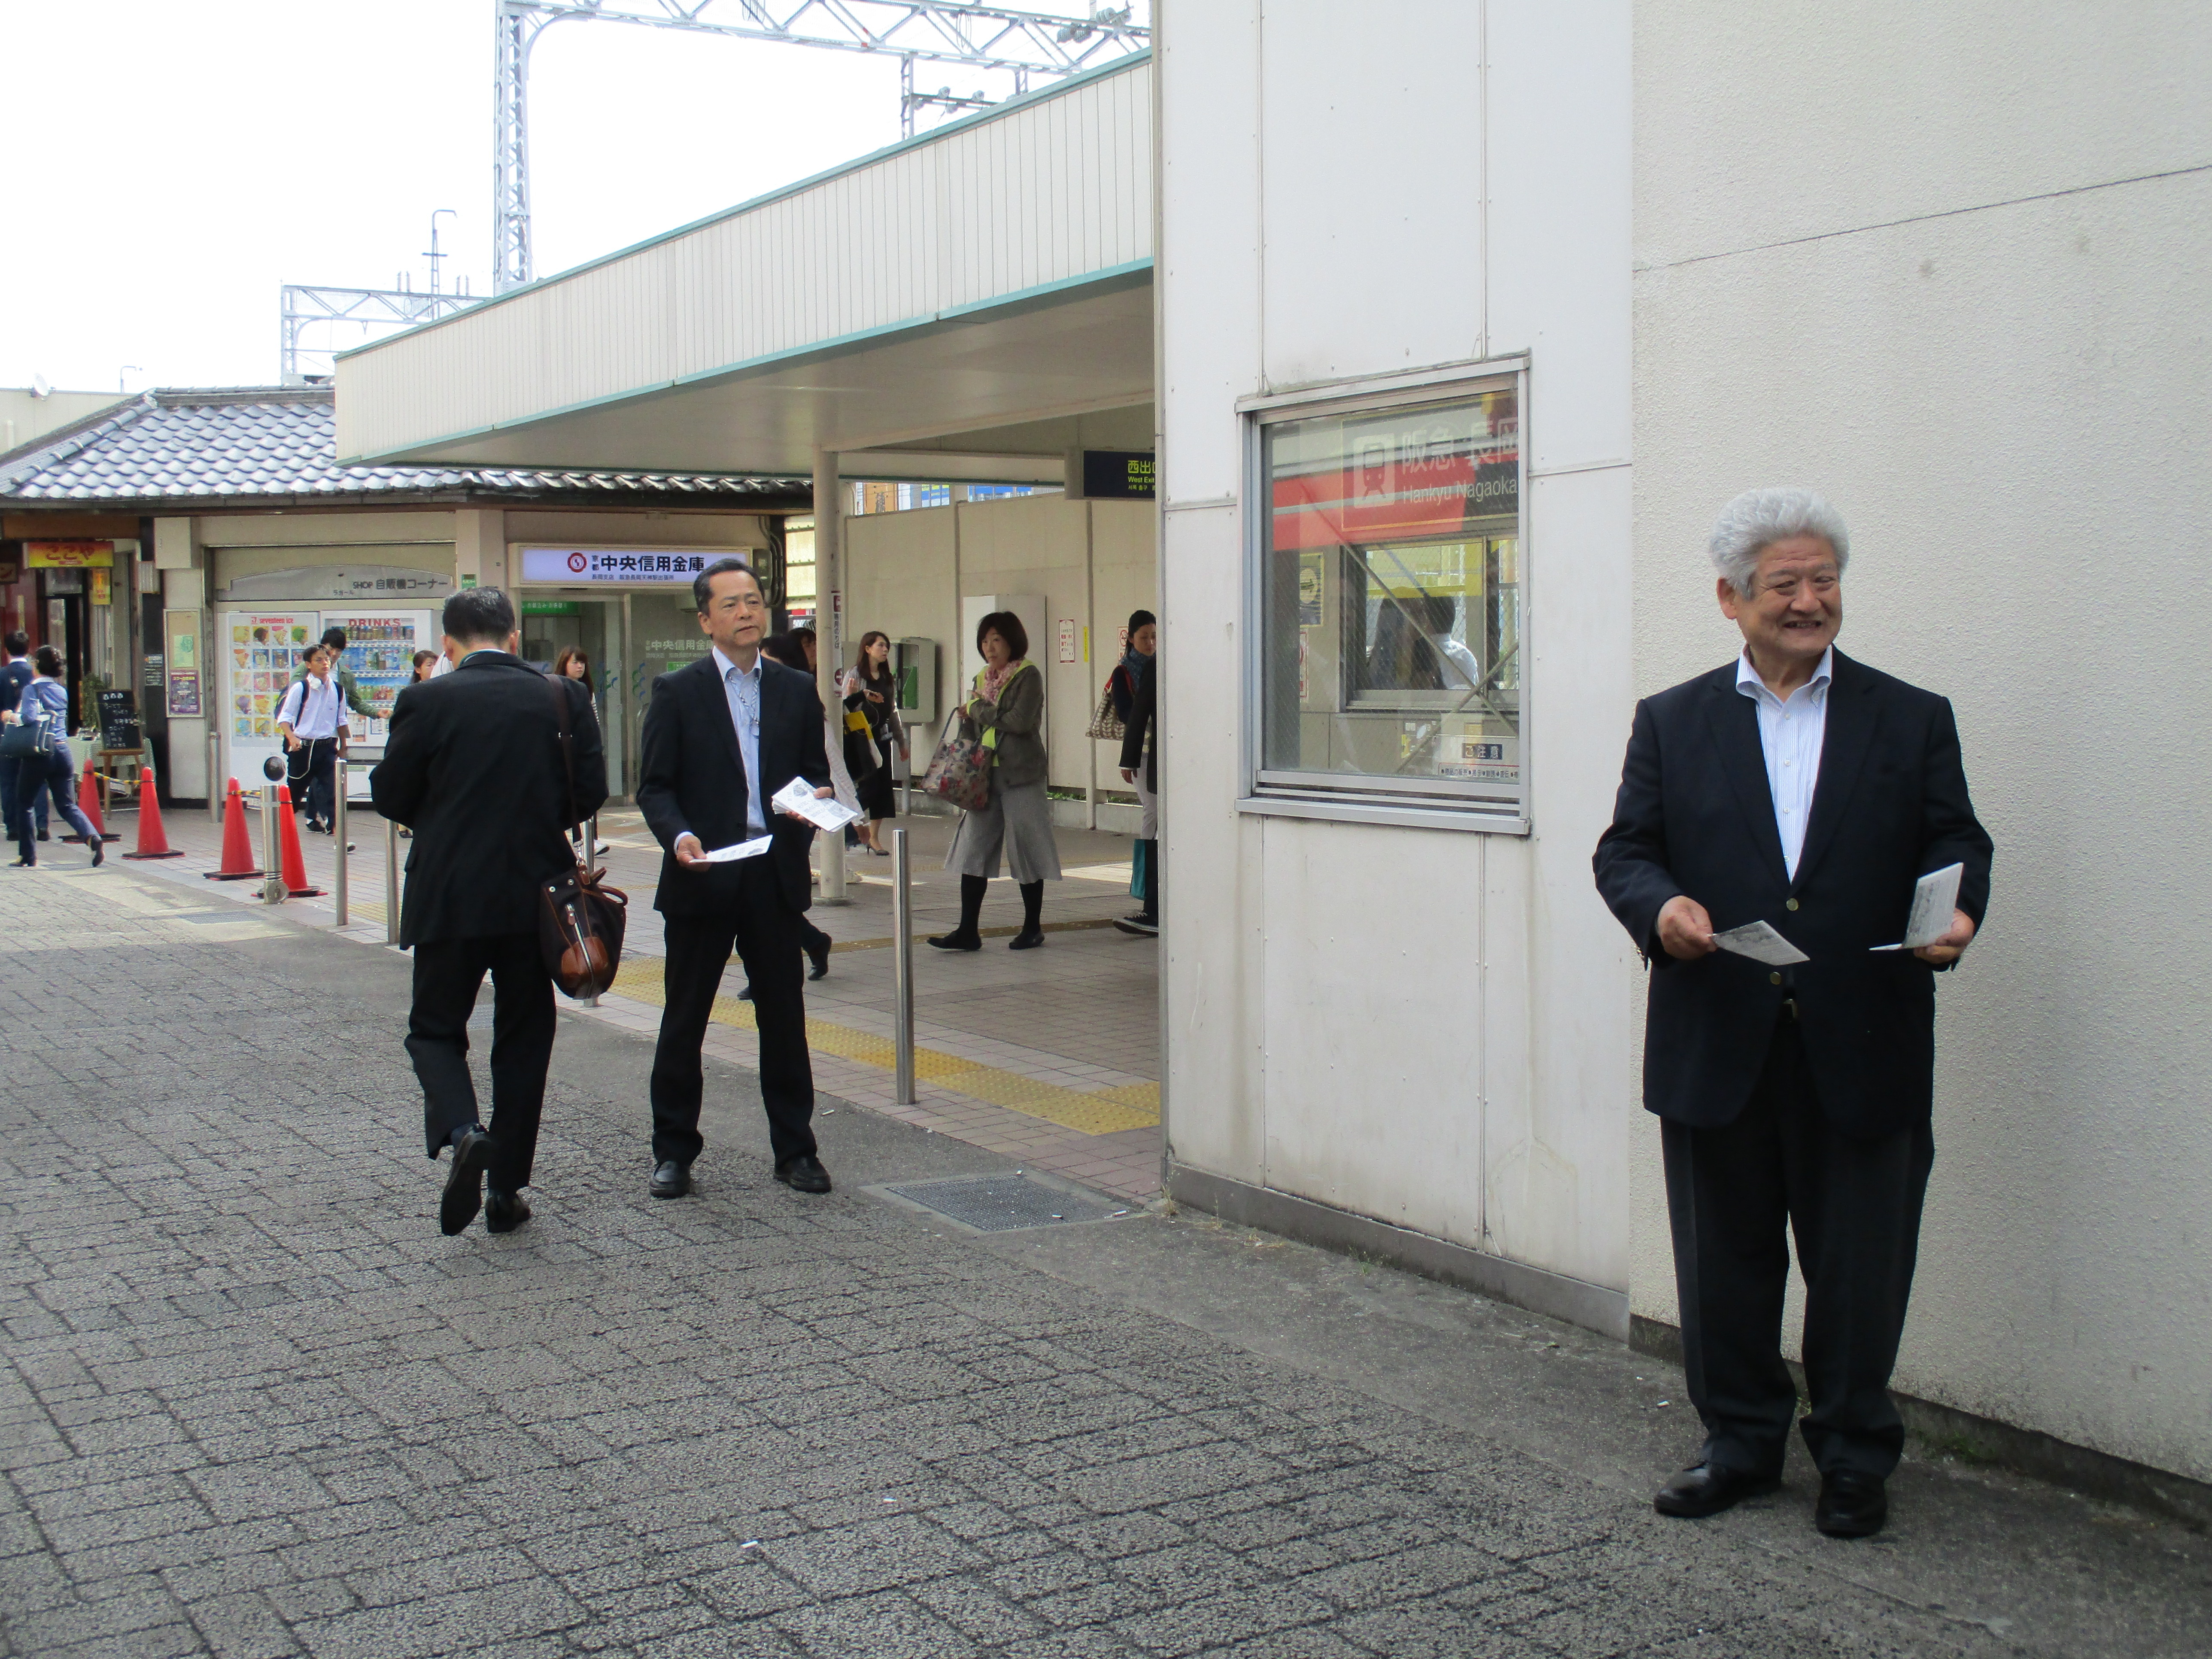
x=186 y=545
x=1448 y=333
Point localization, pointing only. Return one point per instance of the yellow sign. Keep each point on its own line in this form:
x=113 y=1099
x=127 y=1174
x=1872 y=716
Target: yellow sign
x=102 y=587
x=68 y=556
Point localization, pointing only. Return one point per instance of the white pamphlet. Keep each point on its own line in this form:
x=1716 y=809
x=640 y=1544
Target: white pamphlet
x=1934 y=896
x=1760 y=943
x=824 y=813
x=744 y=849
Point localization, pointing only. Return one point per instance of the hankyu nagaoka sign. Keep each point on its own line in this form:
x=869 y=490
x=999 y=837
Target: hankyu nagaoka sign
x=618 y=564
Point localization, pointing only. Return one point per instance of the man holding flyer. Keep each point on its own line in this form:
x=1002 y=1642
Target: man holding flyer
x=1776 y=819
x=732 y=743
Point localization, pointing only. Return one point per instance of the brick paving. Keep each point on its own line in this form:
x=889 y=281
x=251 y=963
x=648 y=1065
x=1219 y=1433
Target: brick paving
x=253 y=1404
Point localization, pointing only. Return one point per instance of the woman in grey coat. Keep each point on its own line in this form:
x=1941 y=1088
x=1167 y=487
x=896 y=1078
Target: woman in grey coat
x=1008 y=706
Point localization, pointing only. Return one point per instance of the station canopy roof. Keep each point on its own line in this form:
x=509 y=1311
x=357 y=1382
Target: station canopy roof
x=275 y=445
x=972 y=304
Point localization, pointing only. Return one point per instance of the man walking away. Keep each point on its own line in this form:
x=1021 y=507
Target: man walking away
x=473 y=764
x=14 y=678
x=1796 y=788
x=721 y=738
x=312 y=721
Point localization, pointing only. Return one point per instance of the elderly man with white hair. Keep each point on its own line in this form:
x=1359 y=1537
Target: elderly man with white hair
x=1798 y=787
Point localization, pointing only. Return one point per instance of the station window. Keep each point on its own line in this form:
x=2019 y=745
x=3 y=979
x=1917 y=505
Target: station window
x=1390 y=607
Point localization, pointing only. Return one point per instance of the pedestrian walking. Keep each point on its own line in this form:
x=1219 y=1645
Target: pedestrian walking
x=14 y=676
x=572 y=663
x=334 y=641
x=1136 y=700
x=1796 y=788
x=872 y=692
x=473 y=764
x=311 y=719
x=723 y=735
x=1007 y=706
x=44 y=704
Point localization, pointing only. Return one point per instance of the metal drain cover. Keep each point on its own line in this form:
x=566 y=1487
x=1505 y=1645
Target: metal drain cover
x=1001 y=1203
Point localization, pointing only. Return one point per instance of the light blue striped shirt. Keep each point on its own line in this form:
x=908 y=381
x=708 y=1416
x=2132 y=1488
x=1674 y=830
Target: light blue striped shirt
x=743 y=689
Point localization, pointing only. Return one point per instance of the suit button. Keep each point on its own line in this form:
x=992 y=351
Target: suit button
x=1789 y=904
x=1774 y=979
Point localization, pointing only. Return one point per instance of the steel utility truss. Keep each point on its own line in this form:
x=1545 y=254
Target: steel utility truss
x=371 y=310
x=987 y=38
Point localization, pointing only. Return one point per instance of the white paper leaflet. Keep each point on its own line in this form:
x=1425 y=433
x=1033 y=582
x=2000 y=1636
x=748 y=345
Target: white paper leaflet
x=1934 y=896
x=798 y=798
x=1760 y=943
x=744 y=849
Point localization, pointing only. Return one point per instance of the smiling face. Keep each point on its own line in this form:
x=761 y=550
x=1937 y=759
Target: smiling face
x=1794 y=607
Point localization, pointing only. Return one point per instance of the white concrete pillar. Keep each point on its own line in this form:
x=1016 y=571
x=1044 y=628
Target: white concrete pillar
x=480 y=548
x=181 y=565
x=828 y=586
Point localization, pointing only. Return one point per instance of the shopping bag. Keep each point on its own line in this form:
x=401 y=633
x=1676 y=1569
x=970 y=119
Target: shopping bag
x=1106 y=723
x=960 y=771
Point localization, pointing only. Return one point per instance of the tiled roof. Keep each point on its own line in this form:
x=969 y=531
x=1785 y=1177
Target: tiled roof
x=280 y=442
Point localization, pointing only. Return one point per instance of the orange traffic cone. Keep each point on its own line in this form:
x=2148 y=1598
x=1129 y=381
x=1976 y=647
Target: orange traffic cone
x=152 y=843
x=87 y=802
x=294 y=863
x=237 y=863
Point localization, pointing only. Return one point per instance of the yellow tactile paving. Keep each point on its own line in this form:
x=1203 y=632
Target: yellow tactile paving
x=1104 y=1112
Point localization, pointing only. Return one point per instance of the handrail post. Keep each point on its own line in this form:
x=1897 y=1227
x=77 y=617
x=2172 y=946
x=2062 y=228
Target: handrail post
x=901 y=972
x=339 y=894
x=391 y=881
x=215 y=790
x=273 y=891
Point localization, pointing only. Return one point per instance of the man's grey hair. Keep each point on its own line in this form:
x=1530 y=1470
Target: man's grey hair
x=1757 y=518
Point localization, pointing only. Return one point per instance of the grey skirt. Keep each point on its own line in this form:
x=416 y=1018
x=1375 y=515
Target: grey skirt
x=1017 y=821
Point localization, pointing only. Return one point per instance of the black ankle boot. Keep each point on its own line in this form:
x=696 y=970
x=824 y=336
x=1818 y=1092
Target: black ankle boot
x=1032 y=933
x=965 y=936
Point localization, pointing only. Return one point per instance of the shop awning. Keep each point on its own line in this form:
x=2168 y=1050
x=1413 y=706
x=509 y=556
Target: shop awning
x=971 y=304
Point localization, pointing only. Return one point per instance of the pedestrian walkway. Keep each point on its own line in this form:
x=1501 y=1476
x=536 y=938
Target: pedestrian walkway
x=253 y=1404
x=1077 y=1093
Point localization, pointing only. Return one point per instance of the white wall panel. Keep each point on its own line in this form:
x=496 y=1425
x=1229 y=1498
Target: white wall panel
x=1049 y=191
x=1372 y=186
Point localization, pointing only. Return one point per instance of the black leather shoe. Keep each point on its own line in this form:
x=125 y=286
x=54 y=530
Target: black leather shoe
x=745 y=995
x=504 y=1212
x=1707 y=1490
x=1028 y=940
x=804 y=1173
x=1850 y=1505
x=465 y=1181
x=99 y=852
x=956 y=940
x=821 y=960
x=671 y=1179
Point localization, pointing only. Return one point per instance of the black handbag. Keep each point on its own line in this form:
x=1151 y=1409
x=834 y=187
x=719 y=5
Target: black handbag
x=581 y=921
x=27 y=739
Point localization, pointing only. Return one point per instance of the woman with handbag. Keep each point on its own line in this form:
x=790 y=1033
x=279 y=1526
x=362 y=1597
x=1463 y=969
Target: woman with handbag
x=36 y=744
x=1007 y=712
x=872 y=692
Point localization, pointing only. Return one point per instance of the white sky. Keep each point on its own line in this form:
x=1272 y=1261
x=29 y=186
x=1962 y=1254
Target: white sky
x=170 y=165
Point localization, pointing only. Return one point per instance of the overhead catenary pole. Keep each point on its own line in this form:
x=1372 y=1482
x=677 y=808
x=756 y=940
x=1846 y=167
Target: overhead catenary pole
x=828 y=526
x=988 y=40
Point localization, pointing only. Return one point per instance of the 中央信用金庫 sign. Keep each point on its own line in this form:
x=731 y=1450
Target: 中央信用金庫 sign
x=610 y=564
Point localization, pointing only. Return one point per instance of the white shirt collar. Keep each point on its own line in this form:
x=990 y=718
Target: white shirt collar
x=723 y=665
x=1748 y=682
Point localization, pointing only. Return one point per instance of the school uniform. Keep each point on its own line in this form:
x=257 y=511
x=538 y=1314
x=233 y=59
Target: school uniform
x=316 y=712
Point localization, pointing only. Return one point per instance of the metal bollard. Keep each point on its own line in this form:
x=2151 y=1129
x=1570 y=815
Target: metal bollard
x=592 y=842
x=902 y=974
x=215 y=789
x=273 y=891
x=391 y=881
x=338 y=891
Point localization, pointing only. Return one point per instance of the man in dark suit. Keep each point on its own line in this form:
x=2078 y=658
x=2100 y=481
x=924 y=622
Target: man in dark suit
x=723 y=736
x=1800 y=788
x=473 y=764
x=1140 y=722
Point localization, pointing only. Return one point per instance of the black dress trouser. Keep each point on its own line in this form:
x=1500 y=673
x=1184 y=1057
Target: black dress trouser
x=448 y=973
x=1854 y=1207
x=764 y=930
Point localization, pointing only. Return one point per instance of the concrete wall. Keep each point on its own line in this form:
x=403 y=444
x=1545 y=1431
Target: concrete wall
x=1091 y=562
x=1946 y=265
x=1431 y=1027
x=25 y=417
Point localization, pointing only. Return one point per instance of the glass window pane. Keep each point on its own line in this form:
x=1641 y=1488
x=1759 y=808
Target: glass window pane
x=1390 y=634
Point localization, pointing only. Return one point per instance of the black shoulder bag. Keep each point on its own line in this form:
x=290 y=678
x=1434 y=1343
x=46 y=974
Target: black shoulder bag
x=579 y=921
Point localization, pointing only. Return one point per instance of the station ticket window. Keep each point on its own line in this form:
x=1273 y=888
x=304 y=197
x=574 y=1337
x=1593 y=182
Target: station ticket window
x=1389 y=611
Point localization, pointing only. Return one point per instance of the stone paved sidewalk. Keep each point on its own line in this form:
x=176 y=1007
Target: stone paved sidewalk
x=253 y=1404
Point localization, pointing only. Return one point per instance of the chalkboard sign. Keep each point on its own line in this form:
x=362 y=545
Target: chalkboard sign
x=118 y=720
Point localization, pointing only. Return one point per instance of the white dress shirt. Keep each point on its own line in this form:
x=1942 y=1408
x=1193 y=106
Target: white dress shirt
x=743 y=689
x=1790 y=733
x=312 y=708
